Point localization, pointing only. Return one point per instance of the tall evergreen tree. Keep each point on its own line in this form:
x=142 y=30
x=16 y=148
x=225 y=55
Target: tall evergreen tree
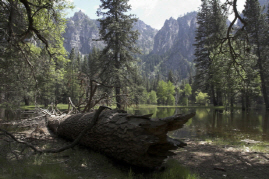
x=116 y=31
x=212 y=27
x=171 y=77
x=256 y=31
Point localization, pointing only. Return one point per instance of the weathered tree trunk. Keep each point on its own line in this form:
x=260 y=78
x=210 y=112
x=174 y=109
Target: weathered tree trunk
x=137 y=140
x=26 y=100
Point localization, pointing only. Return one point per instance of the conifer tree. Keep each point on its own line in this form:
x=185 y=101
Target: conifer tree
x=116 y=31
x=212 y=27
x=171 y=77
x=256 y=30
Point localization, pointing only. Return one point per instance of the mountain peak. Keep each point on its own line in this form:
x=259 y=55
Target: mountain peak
x=79 y=15
x=81 y=30
x=170 y=20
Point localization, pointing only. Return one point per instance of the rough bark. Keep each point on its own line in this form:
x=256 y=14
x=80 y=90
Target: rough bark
x=137 y=140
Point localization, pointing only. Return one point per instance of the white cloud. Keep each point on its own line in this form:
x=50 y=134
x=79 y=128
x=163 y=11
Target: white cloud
x=155 y=12
x=96 y=7
x=143 y=4
x=146 y=6
x=80 y=9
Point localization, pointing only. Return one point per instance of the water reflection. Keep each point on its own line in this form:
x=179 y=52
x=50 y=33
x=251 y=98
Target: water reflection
x=8 y=115
x=212 y=123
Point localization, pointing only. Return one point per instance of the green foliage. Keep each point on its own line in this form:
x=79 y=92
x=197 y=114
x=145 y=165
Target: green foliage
x=257 y=36
x=171 y=77
x=161 y=92
x=165 y=93
x=187 y=89
x=171 y=100
x=201 y=97
x=73 y=88
x=174 y=171
x=188 y=92
x=152 y=97
x=32 y=54
x=212 y=27
x=116 y=31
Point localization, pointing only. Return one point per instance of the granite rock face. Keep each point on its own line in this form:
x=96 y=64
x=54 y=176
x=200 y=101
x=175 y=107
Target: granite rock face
x=79 y=32
x=82 y=32
x=146 y=38
x=177 y=35
x=173 y=46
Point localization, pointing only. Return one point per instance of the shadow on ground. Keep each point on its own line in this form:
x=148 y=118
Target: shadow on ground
x=214 y=161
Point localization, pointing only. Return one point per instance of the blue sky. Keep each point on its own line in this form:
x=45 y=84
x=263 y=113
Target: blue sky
x=152 y=12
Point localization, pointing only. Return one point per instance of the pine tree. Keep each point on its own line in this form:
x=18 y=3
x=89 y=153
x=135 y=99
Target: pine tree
x=171 y=77
x=116 y=31
x=72 y=77
x=211 y=29
x=256 y=31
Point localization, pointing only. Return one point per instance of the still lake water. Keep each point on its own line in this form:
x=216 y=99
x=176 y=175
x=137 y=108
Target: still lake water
x=207 y=124
x=212 y=124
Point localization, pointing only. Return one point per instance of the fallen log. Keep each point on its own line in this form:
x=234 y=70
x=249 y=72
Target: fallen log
x=137 y=140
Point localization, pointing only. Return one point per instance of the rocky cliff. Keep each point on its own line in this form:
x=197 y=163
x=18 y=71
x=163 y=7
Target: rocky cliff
x=170 y=48
x=146 y=38
x=173 y=45
x=177 y=35
x=81 y=31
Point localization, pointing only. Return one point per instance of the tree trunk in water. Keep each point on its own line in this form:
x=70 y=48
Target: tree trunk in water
x=232 y=100
x=213 y=96
x=247 y=102
x=26 y=101
x=46 y=103
x=118 y=98
x=137 y=140
x=219 y=97
x=243 y=101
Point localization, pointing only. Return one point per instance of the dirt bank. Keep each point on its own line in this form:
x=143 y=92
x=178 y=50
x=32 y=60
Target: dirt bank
x=221 y=161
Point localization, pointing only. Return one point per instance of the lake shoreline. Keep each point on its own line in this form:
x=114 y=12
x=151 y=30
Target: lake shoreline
x=223 y=161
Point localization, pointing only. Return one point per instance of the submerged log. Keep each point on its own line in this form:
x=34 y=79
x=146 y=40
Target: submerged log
x=137 y=140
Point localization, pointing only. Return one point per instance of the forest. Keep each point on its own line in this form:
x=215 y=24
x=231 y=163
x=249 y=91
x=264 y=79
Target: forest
x=229 y=68
x=229 y=71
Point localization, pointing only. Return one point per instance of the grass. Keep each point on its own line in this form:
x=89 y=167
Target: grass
x=32 y=107
x=80 y=163
x=261 y=146
x=264 y=148
x=32 y=168
x=62 y=106
x=173 y=170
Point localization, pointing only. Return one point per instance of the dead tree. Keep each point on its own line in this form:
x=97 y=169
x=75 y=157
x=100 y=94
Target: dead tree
x=137 y=140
